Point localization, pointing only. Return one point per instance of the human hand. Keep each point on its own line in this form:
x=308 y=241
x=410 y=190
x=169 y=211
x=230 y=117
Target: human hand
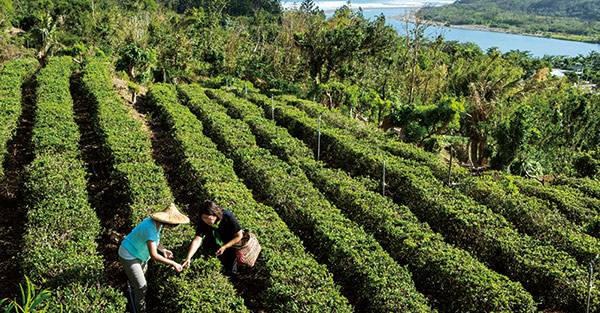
x=177 y=267
x=221 y=250
x=186 y=264
x=168 y=254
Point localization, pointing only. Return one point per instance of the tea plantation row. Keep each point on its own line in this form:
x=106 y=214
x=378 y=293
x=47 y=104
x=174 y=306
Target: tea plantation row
x=453 y=278
x=554 y=278
x=331 y=241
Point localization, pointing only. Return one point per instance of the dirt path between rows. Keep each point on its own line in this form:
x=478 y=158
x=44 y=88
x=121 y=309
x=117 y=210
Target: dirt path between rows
x=106 y=197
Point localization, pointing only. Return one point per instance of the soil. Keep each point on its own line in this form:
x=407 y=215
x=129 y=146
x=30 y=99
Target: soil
x=106 y=196
x=12 y=224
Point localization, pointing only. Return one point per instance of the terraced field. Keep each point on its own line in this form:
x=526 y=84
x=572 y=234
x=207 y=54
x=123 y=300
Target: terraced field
x=81 y=166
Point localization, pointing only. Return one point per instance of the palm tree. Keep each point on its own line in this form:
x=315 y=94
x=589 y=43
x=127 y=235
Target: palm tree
x=493 y=86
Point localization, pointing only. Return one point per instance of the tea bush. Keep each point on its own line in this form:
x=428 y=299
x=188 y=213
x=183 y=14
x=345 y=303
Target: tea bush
x=294 y=281
x=12 y=77
x=59 y=245
x=552 y=277
x=368 y=275
x=456 y=281
x=145 y=185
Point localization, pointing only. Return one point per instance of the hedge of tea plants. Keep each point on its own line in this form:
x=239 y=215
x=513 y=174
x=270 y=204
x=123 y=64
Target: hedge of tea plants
x=588 y=186
x=202 y=288
x=529 y=216
x=455 y=280
x=573 y=203
x=59 y=245
x=13 y=75
x=535 y=217
x=554 y=278
x=363 y=132
x=369 y=135
x=577 y=209
x=294 y=281
x=368 y=276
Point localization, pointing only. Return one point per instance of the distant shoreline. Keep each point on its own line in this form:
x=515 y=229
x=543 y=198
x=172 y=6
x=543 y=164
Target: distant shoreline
x=411 y=18
x=357 y=7
x=377 y=8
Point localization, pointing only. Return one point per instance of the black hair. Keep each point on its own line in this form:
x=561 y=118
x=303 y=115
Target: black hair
x=210 y=208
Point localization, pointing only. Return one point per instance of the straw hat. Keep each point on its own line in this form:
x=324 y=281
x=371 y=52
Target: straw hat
x=170 y=215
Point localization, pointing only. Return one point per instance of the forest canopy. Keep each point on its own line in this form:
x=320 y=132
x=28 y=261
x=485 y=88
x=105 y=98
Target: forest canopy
x=498 y=110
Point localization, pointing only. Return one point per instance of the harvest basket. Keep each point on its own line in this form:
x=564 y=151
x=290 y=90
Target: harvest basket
x=247 y=250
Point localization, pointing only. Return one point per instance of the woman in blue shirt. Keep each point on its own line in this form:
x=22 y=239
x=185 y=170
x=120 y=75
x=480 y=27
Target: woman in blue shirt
x=143 y=244
x=220 y=230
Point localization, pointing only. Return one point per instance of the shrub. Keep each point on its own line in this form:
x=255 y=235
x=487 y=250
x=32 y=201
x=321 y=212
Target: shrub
x=367 y=274
x=59 y=245
x=144 y=183
x=587 y=164
x=13 y=75
x=549 y=275
x=455 y=279
x=293 y=280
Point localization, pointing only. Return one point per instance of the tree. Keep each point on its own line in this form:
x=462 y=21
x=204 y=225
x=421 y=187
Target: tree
x=45 y=38
x=307 y=7
x=133 y=58
x=251 y=8
x=492 y=85
x=419 y=123
x=510 y=136
x=6 y=11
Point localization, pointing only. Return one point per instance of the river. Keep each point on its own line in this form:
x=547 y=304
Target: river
x=537 y=46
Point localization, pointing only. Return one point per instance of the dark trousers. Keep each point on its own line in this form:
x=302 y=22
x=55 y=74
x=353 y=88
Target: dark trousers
x=228 y=259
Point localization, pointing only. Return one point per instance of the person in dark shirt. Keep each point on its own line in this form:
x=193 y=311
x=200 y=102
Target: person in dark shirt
x=216 y=230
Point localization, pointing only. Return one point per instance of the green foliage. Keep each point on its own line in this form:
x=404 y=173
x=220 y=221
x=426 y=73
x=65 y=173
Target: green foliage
x=571 y=203
x=6 y=12
x=59 y=244
x=331 y=47
x=462 y=222
x=368 y=275
x=294 y=281
x=537 y=218
x=54 y=90
x=589 y=187
x=13 y=75
x=515 y=116
x=241 y=7
x=563 y=120
x=422 y=122
x=587 y=164
x=30 y=301
x=372 y=136
x=308 y=6
x=509 y=136
x=432 y=262
x=433 y=144
x=136 y=62
x=77 y=51
x=145 y=186
x=357 y=65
